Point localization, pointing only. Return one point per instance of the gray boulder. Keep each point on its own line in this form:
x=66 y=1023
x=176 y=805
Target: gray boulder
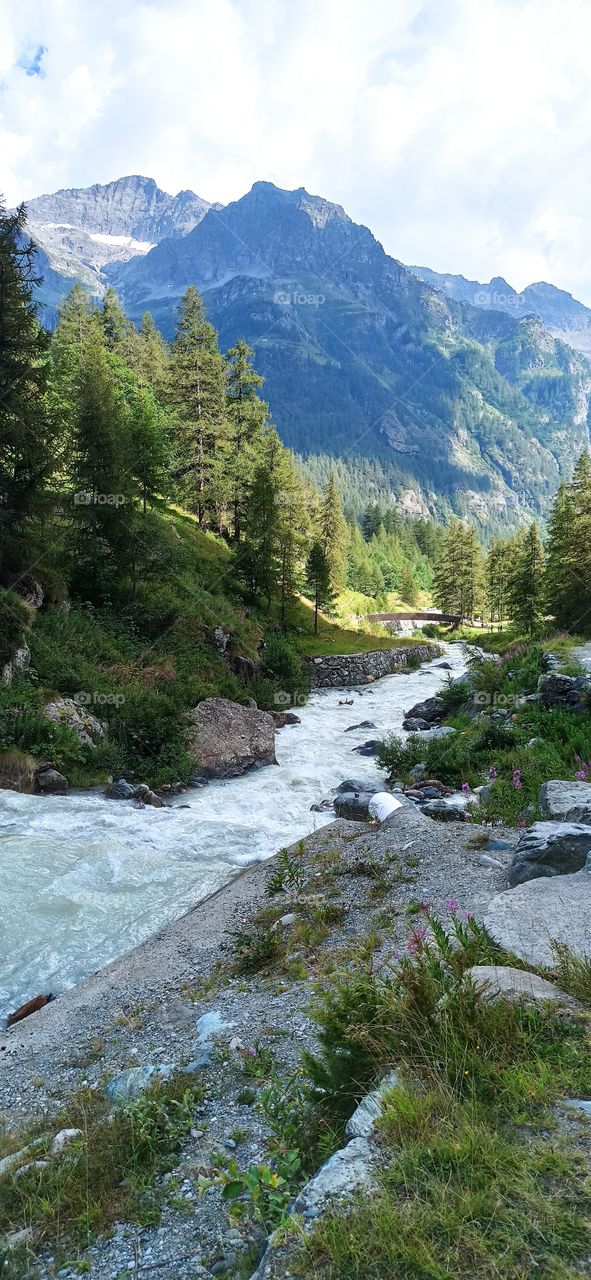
x=49 y=781
x=528 y=919
x=566 y=801
x=432 y=710
x=353 y=805
x=363 y=724
x=503 y=982
x=369 y=748
x=415 y=725
x=228 y=740
x=120 y=790
x=550 y=849
x=557 y=690
x=75 y=716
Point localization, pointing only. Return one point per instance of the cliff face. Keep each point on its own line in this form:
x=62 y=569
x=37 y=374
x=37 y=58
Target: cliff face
x=83 y=228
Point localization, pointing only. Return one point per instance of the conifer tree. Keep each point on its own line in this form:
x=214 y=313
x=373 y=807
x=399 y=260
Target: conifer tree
x=497 y=573
x=318 y=579
x=526 y=581
x=568 y=569
x=196 y=391
x=26 y=443
x=102 y=500
x=114 y=321
x=247 y=416
x=334 y=534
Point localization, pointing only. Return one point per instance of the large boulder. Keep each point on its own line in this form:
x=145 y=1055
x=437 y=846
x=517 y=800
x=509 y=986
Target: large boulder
x=49 y=781
x=528 y=919
x=18 y=664
x=550 y=849
x=227 y=739
x=432 y=710
x=353 y=805
x=566 y=801
x=75 y=716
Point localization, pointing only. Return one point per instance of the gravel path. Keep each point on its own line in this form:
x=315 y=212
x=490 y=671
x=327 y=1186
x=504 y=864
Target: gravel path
x=144 y=1008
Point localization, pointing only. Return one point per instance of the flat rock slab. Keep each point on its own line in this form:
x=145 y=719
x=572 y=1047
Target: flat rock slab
x=527 y=919
x=566 y=801
x=503 y=982
x=550 y=849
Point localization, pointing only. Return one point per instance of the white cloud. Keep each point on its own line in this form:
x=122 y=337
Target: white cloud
x=456 y=129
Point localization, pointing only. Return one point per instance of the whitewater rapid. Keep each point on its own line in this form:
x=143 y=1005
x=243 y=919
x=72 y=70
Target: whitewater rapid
x=84 y=879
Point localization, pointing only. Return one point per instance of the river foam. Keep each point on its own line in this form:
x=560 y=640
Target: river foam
x=84 y=878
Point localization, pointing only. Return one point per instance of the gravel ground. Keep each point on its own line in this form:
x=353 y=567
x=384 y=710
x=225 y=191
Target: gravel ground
x=143 y=1009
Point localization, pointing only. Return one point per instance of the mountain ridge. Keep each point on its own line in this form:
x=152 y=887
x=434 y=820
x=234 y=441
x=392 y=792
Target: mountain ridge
x=462 y=408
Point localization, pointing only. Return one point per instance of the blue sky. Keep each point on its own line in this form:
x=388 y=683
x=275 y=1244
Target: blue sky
x=458 y=130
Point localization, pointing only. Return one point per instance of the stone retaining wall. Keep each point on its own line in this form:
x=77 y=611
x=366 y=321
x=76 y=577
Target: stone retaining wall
x=338 y=671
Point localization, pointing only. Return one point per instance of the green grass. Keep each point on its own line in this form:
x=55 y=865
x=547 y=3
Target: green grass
x=460 y=1199
x=105 y=1175
x=473 y=1182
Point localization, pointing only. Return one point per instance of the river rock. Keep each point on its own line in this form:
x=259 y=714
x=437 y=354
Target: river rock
x=503 y=982
x=415 y=725
x=369 y=748
x=149 y=797
x=452 y=808
x=63 y=1139
x=527 y=919
x=363 y=724
x=432 y=710
x=83 y=724
x=228 y=740
x=566 y=801
x=282 y=718
x=120 y=790
x=129 y=1085
x=353 y=805
x=550 y=849
x=49 y=781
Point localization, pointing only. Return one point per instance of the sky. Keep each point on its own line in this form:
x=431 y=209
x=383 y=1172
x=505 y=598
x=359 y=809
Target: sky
x=459 y=131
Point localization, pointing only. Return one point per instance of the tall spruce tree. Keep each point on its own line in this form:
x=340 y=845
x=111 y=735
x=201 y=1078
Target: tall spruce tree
x=196 y=391
x=246 y=416
x=102 y=500
x=568 y=568
x=497 y=572
x=26 y=431
x=318 y=579
x=526 y=581
x=334 y=534
x=458 y=578
x=114 y=321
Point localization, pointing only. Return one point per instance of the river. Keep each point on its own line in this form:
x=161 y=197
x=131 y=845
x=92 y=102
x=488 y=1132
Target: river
x=84 y=878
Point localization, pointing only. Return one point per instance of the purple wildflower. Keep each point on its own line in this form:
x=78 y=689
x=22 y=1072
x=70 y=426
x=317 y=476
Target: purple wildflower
x=466 y=788
x=452 y=906
x=492 y=773
x=517 y=783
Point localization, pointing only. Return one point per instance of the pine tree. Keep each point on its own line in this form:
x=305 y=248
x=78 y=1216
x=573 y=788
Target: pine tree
x=103 y=515
x=407 y=586
x=318 y=579
x=458 y=578
x=568 y=569
x=147 y=354
x=526 y=581
x=247 y=416
x=196 y=391
x=114 y=321
x=497 y=573
x=334 y=533
x=26 y=431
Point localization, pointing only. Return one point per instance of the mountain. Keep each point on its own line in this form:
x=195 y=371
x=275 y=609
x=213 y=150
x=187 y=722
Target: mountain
x=438 y=402
x=560 y=312
x=80 y=229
